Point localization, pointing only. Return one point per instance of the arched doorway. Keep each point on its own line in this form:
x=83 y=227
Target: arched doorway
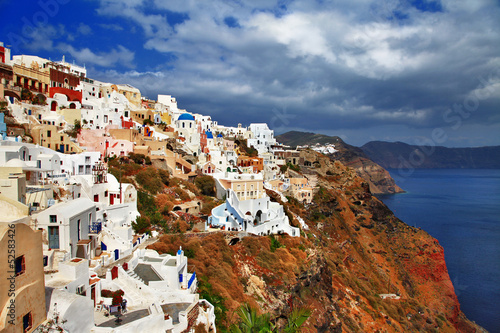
x=72 y=106
x=258 y=217
x=53 y=106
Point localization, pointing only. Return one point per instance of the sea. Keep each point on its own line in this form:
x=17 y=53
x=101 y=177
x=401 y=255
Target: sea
x=461 y=209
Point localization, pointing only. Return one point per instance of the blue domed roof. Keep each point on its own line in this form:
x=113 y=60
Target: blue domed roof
x=219 y=135
x=186 y=116
x=209 y=135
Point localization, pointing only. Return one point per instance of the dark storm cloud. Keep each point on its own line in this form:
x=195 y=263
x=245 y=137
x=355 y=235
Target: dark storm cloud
x=365 y=66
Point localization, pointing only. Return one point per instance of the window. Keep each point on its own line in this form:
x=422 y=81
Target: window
x=53 y=218
x=96 y=197
x=20 y=265
x=48 y=134
x=80 y=169
x=79 y=229
x=87 y=159
x=27 y=322
x=106 y=194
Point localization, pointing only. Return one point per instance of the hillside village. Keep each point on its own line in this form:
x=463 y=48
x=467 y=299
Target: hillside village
x=77 y=162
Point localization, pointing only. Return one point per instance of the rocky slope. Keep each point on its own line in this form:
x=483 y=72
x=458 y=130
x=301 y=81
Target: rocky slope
x=379 y=179
x=354 y=252
x=401 y=155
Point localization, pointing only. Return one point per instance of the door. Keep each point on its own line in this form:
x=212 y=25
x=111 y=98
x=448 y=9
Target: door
x=117 y=254
x=54 y=237
x=92 y=294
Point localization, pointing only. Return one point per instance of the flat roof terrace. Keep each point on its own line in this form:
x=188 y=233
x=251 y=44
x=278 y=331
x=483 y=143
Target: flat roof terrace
x=127 y=318
x=173 y=309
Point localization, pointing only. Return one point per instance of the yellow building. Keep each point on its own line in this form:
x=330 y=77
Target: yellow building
x=70 y=115
x=131 y=93
x=34 y=77
x=141 y=115
x=166 y=117
x=22 y=285
x=245 y=186
x=300 y=189
x=52 y=137
x=13 y=181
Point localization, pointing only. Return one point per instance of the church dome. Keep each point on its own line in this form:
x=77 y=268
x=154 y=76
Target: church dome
x=186 y=116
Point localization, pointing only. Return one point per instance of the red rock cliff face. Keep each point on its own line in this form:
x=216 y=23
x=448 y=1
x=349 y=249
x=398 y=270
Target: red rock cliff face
x=354 y=252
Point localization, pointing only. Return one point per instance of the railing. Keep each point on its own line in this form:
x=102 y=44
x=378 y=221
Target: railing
x=13 y=88
x=95 y=227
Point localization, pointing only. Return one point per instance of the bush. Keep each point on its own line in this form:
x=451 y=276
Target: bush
x=149 y=180
x=275 y=243
x=137 y=158
x=140 y=225
x=164 y=176
x=206 y=184
x=182 y=194
x=117 y=299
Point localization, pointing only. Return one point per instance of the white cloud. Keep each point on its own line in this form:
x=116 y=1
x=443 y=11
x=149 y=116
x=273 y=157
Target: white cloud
x=153 y=25
x=119 y=55
x=84 y=29
x=111 y=26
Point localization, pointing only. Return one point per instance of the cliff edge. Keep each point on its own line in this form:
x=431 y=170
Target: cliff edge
x=379 y=179
x=357 y=266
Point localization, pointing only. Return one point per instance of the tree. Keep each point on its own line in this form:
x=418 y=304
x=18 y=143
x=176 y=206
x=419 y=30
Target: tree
x=251 y=322
x=140 y=225
x=26 y=95
x=296 y=319
x=77 y=126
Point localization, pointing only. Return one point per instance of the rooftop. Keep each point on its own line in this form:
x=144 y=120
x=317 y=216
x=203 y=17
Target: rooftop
x=146 y=273
x=186 y=116
x=126 y=318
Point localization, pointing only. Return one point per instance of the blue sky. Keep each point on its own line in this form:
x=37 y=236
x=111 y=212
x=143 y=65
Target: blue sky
x=411 y=71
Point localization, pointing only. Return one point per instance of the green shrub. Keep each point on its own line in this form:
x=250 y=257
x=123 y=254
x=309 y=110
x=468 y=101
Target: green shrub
x=149 y=180
x=275 y=243
x=206 y=184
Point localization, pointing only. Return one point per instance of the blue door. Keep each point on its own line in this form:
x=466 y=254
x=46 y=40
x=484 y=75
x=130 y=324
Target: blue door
x=54 y=237
x=117 y=254
x=103 y=247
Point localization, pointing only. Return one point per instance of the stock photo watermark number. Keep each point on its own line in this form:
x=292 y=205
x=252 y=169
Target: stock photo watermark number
x=11 y=264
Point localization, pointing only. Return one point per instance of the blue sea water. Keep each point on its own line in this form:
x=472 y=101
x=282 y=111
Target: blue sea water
x=461 y=208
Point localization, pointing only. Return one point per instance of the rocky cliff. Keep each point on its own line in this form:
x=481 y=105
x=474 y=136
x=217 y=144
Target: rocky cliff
x=357 y=267
x=379 y=179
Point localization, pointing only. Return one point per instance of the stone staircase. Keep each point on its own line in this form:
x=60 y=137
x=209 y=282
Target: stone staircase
x=133 y=275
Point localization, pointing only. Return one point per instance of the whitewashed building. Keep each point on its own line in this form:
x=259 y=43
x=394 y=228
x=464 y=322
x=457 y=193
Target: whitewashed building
x=262 y=138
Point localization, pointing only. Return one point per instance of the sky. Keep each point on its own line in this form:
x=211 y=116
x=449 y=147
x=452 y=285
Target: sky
x=420 y=72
